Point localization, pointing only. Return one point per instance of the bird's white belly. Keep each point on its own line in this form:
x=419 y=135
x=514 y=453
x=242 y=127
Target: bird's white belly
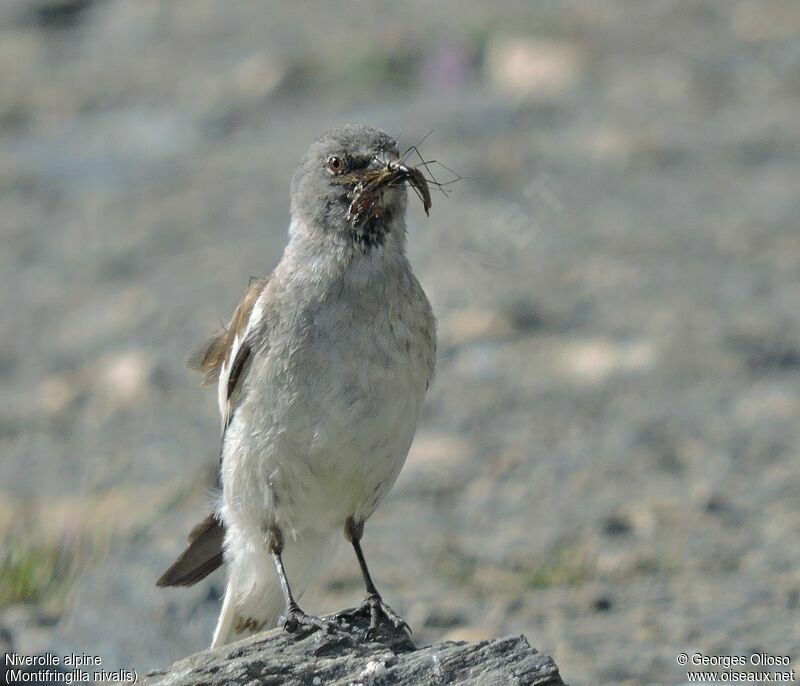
x=357 y=450
x=332 y=442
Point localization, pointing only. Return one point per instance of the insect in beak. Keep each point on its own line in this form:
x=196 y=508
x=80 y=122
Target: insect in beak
x=383 y=173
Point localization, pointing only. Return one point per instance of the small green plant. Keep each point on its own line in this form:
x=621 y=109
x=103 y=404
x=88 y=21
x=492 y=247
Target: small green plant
x=33 y=571
x=562 y=565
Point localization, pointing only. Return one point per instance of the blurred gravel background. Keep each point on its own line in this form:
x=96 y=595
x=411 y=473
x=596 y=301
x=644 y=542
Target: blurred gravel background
x=609 y=458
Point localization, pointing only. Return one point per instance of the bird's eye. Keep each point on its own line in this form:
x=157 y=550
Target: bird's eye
x=334 y=165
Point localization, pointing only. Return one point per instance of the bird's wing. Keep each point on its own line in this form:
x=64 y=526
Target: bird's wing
x=224 y=357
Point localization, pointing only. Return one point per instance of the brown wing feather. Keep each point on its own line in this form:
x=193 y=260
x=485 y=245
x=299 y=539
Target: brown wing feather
x=210 y=356
x=202 y=556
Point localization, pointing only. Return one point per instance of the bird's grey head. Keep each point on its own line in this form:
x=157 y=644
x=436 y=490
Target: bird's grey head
x=351 y=186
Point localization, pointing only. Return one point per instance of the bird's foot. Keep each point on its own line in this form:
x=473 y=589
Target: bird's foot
x=376 y=609
x=295 y=619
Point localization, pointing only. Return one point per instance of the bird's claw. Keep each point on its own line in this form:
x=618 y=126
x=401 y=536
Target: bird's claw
x=375 y=608
x=296 y=619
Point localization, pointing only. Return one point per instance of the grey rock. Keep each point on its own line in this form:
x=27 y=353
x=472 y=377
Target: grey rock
x=346 y=656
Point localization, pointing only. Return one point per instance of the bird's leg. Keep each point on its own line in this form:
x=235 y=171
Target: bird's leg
x=294 y=618
x=373 y=603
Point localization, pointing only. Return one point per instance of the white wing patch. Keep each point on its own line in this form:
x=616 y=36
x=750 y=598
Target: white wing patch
x=236 y=360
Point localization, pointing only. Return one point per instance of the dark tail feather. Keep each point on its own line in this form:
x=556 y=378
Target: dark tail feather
x=201 y=557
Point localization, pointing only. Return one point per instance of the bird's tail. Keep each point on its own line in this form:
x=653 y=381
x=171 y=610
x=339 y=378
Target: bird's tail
x=253 y=597
x=202 y=556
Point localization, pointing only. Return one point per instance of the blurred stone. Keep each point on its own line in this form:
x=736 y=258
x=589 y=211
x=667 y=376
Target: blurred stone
x=258 y=75
x=473 y=324
x=525 y=316
x=765 y=354
x=56 y=393
x=126 y=376
x=617 y=525
x=595 y=360
x=611 y=144
x=602 y=604
x=527 y=65
x=120 y=380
